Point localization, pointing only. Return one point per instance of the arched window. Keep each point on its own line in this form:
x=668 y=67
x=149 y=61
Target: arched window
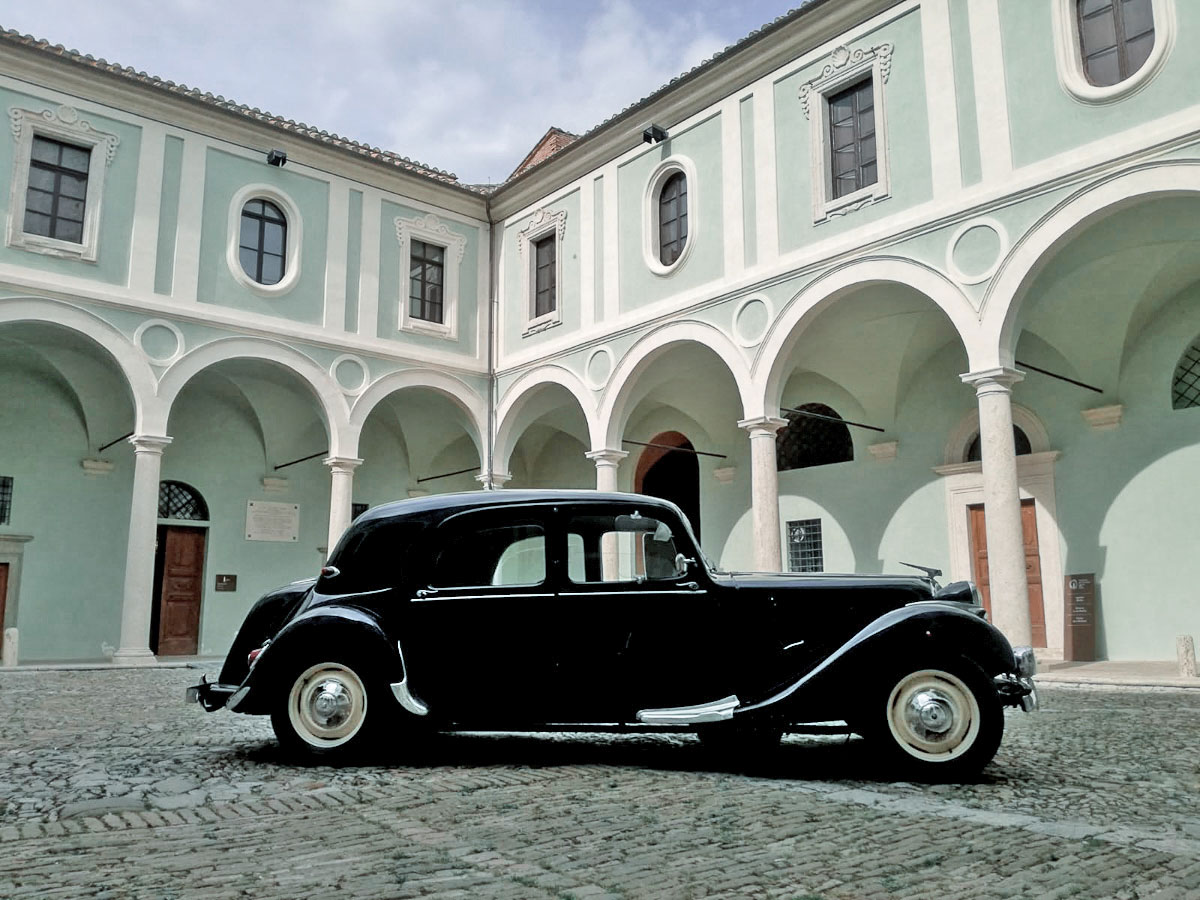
x=262 y=248
x=1115 y=38
x=1020 y=441
x=672 y=218
x=1185 y=386
x=177 y=500
x=816 y=439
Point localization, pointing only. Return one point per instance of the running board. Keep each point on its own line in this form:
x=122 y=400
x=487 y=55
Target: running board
x=716 y=711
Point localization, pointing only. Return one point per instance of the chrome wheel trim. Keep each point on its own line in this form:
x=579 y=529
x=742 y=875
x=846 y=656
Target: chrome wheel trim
x=933 y=716
x=327 y=705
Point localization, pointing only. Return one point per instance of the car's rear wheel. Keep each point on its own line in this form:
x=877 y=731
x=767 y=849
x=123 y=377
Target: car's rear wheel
x=325 y=710
x=939 y=722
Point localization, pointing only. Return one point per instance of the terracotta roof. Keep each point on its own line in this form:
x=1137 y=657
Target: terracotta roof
x=308 y=131
x=552 y=141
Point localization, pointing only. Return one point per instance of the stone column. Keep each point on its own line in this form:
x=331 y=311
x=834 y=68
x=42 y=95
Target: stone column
x=341 y=495
x=606 y=462
x=764 y=491
x=1002 y=503
x=134 y=648
x=493 y=481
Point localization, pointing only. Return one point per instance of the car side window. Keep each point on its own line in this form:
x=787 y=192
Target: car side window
x=510 y=554
x=620 y=547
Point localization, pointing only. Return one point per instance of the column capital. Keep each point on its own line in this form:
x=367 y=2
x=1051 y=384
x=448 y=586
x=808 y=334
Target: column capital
x=342 y=463
x=493 y=481
x=606 y=457
x=763 y=425
x=149 y=443
x=990 y=381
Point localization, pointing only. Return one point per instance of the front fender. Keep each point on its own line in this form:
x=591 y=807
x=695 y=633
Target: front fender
x=919 y=631
x=310 y=637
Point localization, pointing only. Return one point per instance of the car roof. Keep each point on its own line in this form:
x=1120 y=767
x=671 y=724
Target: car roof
x=466 y=500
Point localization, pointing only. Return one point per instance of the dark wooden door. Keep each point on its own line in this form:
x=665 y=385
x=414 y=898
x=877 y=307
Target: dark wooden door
x=182 y=552
x=1033 y=565
x=3 y=591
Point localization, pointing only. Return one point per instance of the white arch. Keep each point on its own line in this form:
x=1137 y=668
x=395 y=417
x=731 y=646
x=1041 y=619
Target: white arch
x=1005 y=296
x=612 y=410
x=454 y=389
x=770 y=366
x=329 y=396
x=518 y=395
x=129 y=359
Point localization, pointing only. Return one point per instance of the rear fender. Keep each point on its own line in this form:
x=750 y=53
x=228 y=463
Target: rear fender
x=265 y=618
x=319 y=632
x=926 y=631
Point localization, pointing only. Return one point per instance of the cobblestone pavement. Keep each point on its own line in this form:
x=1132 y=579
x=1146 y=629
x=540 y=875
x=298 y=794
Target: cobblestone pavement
x=110 y=787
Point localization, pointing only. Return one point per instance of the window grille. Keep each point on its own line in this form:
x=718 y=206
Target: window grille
x=58 y=176
x=672 y=219
x=1115 y=38
x=545 y=294
x=357 y=509
x=852 y=139
x=177 y=500
x=263 y=242
x=6 y=492
x=1185 y=387
x=809 y=441
x=805 y=552
x=425 y=273
x=1020 y=443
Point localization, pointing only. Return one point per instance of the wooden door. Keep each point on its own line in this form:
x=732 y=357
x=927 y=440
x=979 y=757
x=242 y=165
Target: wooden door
x=181 y=588
x=1033 y=565
x=3 y=591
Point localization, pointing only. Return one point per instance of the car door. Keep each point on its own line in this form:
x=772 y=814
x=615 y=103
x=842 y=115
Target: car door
x=476 y=641
x=648 y=631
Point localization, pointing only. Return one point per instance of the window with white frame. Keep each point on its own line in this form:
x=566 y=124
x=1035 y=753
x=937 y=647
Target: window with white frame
x=669 y=215
x=539 y=245
x=431 y=255
x=262 y=246
x=265 y=234
x=59 y=165
x=848 y=127
x=1109 y=49
x=804 y=548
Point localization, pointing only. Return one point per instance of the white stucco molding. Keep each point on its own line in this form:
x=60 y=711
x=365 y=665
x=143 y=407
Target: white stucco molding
x=62 y=124
x=513 y=404
x=129 y=358
x=1071 y=75
x=431 y=230
x=542 y=223
x=772 y=363
x=329 y=396
x=963 y=434
x=845 y=68
x=294 y=238
x=650 y=212
x=180 y=343
x=457 y=391
x=613 y=406
x=1000 y=311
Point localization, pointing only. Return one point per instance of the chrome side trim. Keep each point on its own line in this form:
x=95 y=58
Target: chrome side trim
x=688 y=592
x=716 y=711
x=437 y=597
x=237 y=698
x=401 y=692
x=793 y=645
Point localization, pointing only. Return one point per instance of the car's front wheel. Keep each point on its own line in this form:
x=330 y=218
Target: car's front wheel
x=325 y=709
x=941 y=722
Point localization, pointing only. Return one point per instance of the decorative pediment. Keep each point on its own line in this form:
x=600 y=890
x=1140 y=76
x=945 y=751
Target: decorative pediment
x=65 y=122
x=431 y=228
x=844 y=62
x=543 y=220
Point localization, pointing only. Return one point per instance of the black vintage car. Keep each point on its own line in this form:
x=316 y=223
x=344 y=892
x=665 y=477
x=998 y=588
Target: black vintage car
x=577 y=610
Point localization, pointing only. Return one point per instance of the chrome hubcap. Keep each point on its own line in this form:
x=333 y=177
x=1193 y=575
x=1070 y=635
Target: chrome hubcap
x=327 y=705
x=930 y=712
x=933 y=715
x=330 y=706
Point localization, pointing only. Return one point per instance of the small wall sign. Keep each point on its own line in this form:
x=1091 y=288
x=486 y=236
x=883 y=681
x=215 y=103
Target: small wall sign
x=1079 y=637
x=226 y=583
x=268 y=521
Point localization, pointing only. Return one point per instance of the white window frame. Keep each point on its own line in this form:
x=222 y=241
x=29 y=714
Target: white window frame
x=1069 y=54
x=541 y=224
x=60 y=124
x=651 y=211
x=295 y=234
x=845 y=68
x=430 y=230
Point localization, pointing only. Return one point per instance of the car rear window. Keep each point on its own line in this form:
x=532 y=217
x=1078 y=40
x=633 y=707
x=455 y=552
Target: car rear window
x=372 y=557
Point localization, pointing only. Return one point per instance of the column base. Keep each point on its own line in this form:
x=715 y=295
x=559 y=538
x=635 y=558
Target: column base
x=134 y=658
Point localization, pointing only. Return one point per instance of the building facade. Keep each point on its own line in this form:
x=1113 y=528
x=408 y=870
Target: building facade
x=885 y=282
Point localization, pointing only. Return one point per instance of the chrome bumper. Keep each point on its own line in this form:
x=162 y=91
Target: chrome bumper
x=210 y=695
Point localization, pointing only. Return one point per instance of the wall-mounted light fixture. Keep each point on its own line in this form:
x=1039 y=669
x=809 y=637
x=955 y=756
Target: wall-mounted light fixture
x=276 y=157
x=655 y=134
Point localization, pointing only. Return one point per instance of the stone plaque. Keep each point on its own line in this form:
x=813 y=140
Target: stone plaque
x=226 y=583
x=267 y=521
x=1079 y=630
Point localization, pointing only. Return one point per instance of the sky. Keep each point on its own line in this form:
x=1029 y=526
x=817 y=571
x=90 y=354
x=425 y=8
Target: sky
x=467 y=86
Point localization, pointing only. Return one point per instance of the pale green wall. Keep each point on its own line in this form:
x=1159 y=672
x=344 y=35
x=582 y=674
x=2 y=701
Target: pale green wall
x=514 y=310
x=353 y=259
x=168 y=215
x=393 y=283
x=1045 y=120
x=706 y=230
x=116 y=213
x=964 y=90
x=907 y=136
x=226 y=174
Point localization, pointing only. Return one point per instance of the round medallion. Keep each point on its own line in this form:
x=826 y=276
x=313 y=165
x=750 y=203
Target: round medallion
x=350 y=373
x=160 y=340
x=750 y=321
x=598 y=368
x=975 y=251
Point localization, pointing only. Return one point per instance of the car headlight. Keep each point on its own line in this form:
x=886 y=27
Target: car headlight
x=1026 y=661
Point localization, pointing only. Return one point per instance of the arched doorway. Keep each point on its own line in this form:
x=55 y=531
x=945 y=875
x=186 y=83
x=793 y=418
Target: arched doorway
x=669 y=470
x=178 y=570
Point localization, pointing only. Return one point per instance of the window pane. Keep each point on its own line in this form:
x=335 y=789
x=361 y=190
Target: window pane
x=435 y=253
x=844 y=161
x=1087 y=7
x=75 y=158
x=273 y=238
x=249 y=235
x=1098 y=32
x=842 y=136
x=73 y=186
x=254 y=207
x=1103 y=70
x=272 y=269
x=45 y=150
x=42 y=179
x=70 y=209
x=1138 y=16
x=841 y=108
x=867 y=150
x=271 y=212
x=866 y=122
x=433 y=273
x=39 y=201
x=507 y=555
x=870 y=174
x=1137 y=52
x=249 y=261
x=37 y=223
x=69 y=231
x=668 y=232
